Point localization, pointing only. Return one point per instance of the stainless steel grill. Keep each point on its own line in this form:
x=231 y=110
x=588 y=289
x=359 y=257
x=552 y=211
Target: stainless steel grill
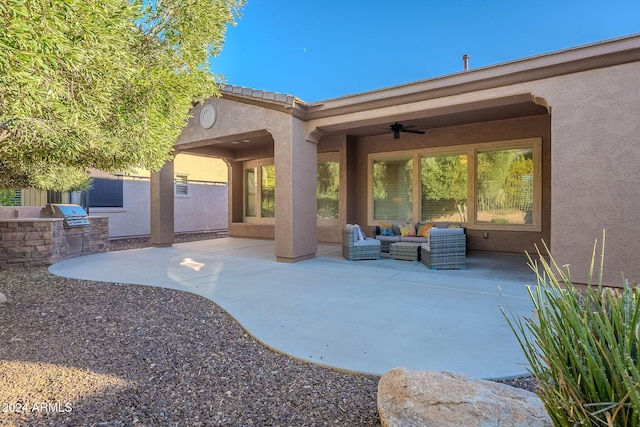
x=73 y=215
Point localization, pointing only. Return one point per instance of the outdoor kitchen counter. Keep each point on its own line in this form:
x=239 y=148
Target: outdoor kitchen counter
x=29 y=242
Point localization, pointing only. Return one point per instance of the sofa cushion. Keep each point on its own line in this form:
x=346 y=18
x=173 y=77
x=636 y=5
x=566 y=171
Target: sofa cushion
x=388 y=238
x=435 y=231
x=423 y=229
x=408 y=230
x=357 y=233
x=367 y=242
x=386 y=228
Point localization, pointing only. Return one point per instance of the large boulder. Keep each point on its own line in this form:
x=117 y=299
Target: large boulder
x=428 y=398
x=3 y=299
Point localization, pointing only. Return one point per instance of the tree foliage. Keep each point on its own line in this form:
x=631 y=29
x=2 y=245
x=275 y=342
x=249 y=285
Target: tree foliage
x=101 y=84
x=504 y=180
x=444 y=186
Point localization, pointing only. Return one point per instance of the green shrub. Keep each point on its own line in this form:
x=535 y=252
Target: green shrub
x=582 y=346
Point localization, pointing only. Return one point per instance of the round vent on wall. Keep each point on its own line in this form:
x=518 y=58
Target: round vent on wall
x=207 y=116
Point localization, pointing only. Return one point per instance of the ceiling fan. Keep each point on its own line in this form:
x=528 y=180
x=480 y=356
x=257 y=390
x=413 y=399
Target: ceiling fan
x=396 y=128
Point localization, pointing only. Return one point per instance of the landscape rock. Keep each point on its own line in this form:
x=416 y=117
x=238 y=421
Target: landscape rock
x=428 y=398
x=3 y=299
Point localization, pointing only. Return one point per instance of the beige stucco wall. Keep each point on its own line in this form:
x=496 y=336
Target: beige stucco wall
x=200 y=168
x=197 y=168
x=296 y=178
x=595 y=157
x=233 y=118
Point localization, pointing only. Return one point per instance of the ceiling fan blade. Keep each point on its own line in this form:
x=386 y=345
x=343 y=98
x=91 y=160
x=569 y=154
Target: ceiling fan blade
x=396 y=128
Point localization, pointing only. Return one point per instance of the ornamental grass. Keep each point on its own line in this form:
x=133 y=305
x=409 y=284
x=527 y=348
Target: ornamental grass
x=582 y=345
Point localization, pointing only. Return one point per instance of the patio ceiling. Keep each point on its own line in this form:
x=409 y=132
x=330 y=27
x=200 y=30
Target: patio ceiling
x=502 y=108
x=237 y=147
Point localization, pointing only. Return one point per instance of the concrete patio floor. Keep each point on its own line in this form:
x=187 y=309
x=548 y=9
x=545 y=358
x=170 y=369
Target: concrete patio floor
x=363 y=316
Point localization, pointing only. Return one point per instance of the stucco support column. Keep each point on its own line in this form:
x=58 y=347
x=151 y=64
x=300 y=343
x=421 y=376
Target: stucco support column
x=162 y=206
x=296 y=204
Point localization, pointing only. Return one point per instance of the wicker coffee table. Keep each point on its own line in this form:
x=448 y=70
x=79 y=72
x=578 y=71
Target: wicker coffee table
x=409 y=251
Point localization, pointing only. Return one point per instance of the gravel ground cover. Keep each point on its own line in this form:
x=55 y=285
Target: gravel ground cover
x=77 y=352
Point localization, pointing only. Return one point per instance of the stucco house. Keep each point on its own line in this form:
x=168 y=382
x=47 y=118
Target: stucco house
x=543 y=148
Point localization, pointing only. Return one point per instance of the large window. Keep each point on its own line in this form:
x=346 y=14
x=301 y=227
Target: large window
x=268 y=191
x=505 y=186
x=483 y=186
x=444 y=185
x=250 y=192
x=328 y=189
x=106 y=193
x=259 y=190
x=392 y=189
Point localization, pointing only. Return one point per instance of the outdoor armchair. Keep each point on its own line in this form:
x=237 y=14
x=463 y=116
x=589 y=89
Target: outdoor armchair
x=355 y=246
x=447 y=249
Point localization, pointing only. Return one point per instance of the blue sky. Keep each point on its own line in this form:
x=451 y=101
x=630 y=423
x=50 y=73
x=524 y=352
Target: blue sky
x=322 y=49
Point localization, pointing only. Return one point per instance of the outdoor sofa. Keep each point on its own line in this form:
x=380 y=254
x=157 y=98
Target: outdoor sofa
x=418 y=232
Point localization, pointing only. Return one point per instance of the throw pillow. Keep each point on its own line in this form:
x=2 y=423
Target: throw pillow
x=386 y=228
x=423 y=229
x=408 y=230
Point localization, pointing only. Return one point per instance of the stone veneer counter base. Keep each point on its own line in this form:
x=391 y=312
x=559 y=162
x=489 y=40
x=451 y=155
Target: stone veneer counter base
x=30 y=242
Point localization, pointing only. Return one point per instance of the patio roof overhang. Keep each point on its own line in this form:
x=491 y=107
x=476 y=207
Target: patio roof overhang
x=485 y=110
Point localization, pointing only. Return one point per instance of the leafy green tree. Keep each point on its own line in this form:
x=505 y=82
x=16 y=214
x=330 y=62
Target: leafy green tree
x=101 y=84
x=444 y=186
x=502 y=182
x=328 y=190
